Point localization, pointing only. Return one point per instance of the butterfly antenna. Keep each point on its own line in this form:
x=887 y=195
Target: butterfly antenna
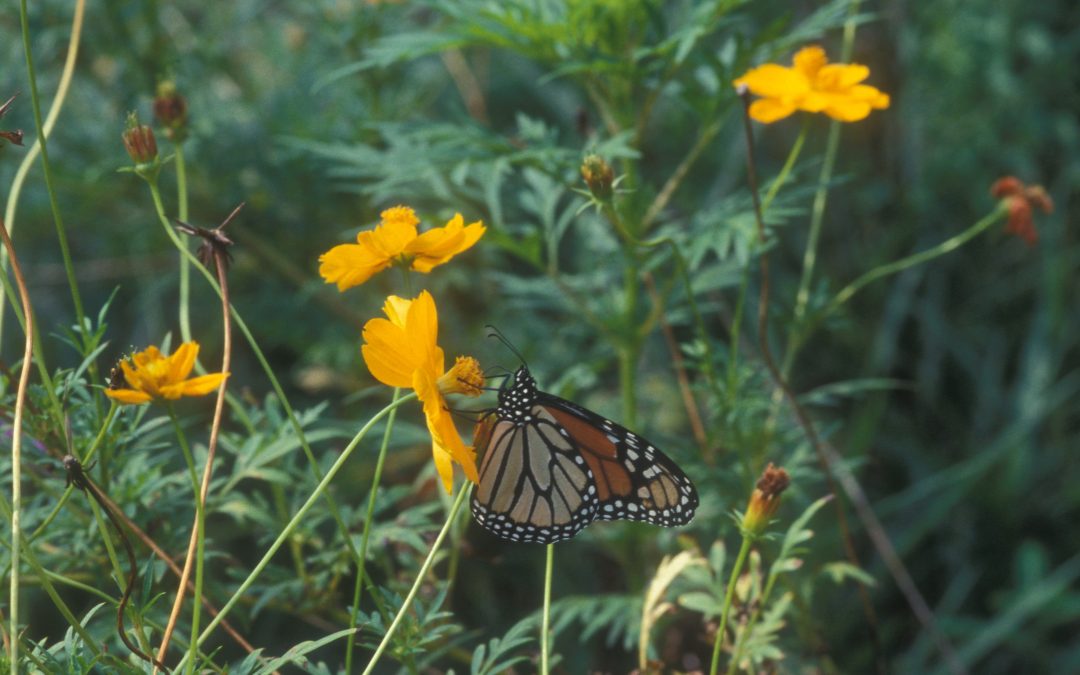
x=497 y=334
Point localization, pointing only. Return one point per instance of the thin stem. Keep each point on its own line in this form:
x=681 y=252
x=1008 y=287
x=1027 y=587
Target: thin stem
x=744 y=550
x=545 y=630
x=366 y=533
x=279 y=392
x=680 y=173
x=50 y=121
x=744 y=283
x=16 y=446
x=198 y=532
x=61 y=232
x=185 y=263
x=462 y=494
x=319 y=491
x=817 y=214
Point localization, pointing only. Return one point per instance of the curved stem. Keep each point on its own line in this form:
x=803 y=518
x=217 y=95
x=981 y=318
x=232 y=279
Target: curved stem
x=366 y=533
x=545 y=638
x=319 y=491
x=462 y=494
x=50 y=121
x=16 y=448
x=728 y=598
x=61 y=232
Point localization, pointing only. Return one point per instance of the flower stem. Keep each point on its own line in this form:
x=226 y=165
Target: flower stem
x=50 y=122
x=728 y=598
x=744 y=283
x=947 y=246
x=366 y=533
x=320 y=489
x=54 y=204
x=185 y=262
x=16 y=443
x=545 y=645
x=462 y=494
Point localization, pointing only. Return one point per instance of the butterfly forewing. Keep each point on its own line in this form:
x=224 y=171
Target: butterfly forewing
x=551 y=467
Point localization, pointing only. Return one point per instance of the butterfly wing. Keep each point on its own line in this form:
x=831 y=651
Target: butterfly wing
x=634 y=480
x=534 y=484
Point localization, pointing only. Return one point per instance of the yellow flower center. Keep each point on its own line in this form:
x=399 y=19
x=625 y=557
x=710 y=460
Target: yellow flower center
x=465 y=377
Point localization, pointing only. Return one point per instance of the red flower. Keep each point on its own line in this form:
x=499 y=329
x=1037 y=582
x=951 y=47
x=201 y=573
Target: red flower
x=1020 y=198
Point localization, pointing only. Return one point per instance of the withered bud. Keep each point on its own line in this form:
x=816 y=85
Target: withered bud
x=13 y=137
x=139 y=141
x=170 y=108
x=765 y=499
x=599 y=177
x=1020 y=199
x=215 y=243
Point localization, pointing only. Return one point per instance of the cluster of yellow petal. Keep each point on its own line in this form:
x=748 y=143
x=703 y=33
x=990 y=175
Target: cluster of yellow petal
x=151 y=374
x=396 y=240
x=402 y=351
x=813 y=85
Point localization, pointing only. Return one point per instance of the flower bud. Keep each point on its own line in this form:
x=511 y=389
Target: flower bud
x=170 y=109
x=139 y=141
x=765 y=500
x=599 y=177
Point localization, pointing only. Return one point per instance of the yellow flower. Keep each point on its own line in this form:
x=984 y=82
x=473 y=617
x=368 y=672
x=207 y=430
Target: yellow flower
x=813 y=85
x=402 y=351
x=396 y=239
x=151 y=374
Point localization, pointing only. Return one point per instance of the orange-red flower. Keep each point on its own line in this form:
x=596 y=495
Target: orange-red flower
x=1020 y=199
x=151 y=374
x=402 y=351
x=396 y=240
x=813 y=85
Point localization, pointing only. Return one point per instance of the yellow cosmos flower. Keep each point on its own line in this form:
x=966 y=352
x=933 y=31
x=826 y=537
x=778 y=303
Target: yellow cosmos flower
x=813 y=85
x=151 y=374
x=402 y=351
x=396 y=240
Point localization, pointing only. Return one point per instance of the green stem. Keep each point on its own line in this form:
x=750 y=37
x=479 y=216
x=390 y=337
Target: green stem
x=366 y=533
x=744 y=283
x=545 y=646
x=817 y=215
x=728 y=598
x=462 y=494
x=286 y=532
x=185 y=263
x=947 y=246
x=54 y=204
x=762 y=603
x=279 y=392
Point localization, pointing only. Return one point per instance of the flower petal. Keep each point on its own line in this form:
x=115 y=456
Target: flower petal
x=773 y=81
x=388 y=354
x=349 y=265
x=441 y=425
x=840 y=76
x=768 y=110
x=387 y=241
x=196 y=386
x=810 y=60
x=182 y=361
x=397 y=310
x=440 y=244
x=128 y=396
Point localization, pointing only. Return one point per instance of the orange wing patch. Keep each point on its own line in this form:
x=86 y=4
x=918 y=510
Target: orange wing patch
x=599 y=452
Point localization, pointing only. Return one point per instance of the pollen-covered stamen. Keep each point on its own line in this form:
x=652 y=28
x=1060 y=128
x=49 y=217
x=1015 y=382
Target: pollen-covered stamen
x=465 y=377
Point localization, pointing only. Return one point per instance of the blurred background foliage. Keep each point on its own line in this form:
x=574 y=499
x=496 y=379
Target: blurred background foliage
x=951 y=389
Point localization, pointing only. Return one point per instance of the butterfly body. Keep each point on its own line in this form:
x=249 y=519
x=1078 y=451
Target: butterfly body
x=551 y=467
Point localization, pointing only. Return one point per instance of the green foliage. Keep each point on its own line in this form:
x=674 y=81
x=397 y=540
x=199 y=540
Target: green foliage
x=949 y=390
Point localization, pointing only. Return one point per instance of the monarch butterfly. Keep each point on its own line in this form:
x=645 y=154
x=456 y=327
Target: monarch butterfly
x=552 y=467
